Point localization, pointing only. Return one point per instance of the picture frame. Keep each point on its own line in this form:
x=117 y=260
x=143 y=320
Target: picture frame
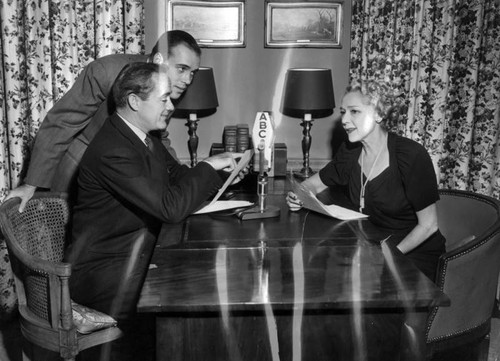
x=303 y=24
x=212 y=23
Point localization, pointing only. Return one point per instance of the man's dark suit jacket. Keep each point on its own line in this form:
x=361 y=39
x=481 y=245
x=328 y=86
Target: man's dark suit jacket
x=73 y=121
x=125 y=193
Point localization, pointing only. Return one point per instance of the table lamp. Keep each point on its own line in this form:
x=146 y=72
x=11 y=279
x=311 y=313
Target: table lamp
x=308 y=94
x=199 y=100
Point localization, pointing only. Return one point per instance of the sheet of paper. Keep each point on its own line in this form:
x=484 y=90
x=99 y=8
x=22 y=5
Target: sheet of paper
x=310 y=201
x=241 y=164
x=223 y=205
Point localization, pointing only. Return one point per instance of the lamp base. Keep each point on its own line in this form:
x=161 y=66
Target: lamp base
x=304 y=173
x=256 y=213
x=192 y=124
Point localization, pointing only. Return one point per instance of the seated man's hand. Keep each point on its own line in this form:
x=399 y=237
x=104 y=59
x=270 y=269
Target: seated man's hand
x=227 y=163
x=241 y=174
x=25 y=192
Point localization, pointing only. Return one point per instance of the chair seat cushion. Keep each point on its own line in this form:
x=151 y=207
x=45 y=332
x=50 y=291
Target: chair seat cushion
x=88 y=320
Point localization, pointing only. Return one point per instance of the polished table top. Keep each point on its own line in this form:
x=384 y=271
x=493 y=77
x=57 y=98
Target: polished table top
x=297 y=259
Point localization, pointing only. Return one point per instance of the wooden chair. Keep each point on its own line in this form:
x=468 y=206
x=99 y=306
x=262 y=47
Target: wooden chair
x=35 y=240
x=468 y=272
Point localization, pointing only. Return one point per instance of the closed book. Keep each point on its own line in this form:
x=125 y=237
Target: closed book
x=243 y=138
x=230 y=138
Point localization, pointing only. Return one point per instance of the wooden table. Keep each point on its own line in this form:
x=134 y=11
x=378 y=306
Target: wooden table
x=301 y=286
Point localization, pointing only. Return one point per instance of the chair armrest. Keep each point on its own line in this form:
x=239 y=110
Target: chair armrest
x=471 y=269
x=60 y=269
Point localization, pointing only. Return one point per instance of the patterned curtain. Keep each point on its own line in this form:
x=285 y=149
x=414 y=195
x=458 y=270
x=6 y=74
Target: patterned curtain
x=44 y=45
x=443 y=58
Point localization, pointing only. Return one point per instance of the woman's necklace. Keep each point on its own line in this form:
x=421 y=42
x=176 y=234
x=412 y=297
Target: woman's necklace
x=363 y=184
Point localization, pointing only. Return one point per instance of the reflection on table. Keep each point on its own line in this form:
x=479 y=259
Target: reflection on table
x=297 y=287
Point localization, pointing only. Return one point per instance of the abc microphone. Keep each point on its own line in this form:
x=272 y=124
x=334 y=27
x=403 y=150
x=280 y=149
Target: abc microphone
x=263 y=140
x=263 y=137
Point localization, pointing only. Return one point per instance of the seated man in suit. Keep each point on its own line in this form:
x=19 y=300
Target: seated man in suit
x=128 y=186
x=74 y=120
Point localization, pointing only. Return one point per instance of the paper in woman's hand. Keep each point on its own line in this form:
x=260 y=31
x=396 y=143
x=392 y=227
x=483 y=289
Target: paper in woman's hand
x=310 y=201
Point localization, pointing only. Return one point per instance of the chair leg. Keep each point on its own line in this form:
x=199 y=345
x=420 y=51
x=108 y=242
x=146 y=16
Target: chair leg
x=413 y=346
x=484 y=349
x=27 y=350
x=26 y=357
x=68 y=358
x=32 y=352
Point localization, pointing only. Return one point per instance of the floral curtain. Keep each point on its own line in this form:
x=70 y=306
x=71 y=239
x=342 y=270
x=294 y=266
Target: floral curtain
x=44 y=45
x=443 y=57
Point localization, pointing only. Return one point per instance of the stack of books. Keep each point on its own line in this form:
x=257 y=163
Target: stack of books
x=236 y=138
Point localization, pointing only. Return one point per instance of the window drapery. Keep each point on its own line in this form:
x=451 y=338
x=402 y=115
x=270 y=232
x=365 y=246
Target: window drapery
x=443 y=57
x=43 y=47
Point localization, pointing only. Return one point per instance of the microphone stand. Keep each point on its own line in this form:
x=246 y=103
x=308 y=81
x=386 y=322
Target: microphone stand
x=261 y=211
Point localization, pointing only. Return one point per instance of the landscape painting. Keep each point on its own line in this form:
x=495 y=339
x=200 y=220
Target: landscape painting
x=212 y=24
x=303 y=24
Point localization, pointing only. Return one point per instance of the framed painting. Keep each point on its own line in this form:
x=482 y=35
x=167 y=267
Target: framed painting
x=211 y=23
x=303 y=24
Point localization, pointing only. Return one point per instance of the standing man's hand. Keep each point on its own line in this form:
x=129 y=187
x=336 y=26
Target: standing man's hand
x=25 y=192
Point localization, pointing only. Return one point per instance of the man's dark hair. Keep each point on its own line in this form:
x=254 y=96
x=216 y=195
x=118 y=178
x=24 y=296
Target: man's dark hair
x=172 y=38
x=135 y=78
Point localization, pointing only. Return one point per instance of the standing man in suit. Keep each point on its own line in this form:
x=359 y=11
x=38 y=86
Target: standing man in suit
x=74 y=120
x=128 y=186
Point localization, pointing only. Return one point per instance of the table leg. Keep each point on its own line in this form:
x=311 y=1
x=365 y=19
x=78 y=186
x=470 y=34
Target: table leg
x=413 y=346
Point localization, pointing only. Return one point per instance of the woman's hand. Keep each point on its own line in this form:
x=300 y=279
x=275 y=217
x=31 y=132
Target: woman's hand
x=313 y=183
x=293 y=202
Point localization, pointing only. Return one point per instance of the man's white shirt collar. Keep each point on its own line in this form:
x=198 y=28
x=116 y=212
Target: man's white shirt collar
x=137 y=131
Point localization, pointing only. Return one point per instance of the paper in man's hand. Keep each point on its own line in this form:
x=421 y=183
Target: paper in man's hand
x=243 y=162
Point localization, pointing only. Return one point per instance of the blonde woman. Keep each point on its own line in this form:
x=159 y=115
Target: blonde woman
x=388 y=177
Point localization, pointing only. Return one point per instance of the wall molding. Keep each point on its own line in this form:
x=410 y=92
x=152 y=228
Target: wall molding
x=291 y=165
x=298 y=163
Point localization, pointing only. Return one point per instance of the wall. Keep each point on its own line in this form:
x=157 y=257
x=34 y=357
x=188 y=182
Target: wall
x=251 y=79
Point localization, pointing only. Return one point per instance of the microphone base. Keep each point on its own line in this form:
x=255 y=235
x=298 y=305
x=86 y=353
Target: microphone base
x=256 y=213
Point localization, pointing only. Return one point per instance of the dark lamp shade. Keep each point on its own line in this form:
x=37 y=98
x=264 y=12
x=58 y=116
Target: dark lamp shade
x=308 y=91
x=200 y=97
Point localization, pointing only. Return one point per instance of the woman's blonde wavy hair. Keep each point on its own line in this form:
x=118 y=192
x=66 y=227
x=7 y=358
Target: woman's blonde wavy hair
x=381 y=96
